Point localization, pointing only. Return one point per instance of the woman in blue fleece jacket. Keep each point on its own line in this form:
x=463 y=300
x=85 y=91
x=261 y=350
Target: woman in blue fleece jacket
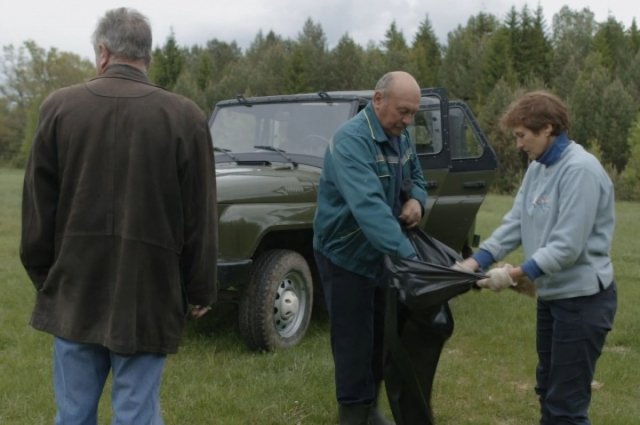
x=563 y=216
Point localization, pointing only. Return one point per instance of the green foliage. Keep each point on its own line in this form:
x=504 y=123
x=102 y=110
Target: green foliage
x=530 y=48
x=594 y=66
x=396 y=50
x=167 y=63
x=628 y=184
x=497 y=64
x=603 y=111
x=585 y=100
x=10 y=130
x=634 y=37
x=29 y=74
x=512 y=164
x=20 y=158
x=571 y=39
x=346 y=70
x=631 y=76
x=307 y=62
x=613 y=45
x=617 y=112
x=460 y=72
x=204 y=71
x=265 y=68
x=426 y=55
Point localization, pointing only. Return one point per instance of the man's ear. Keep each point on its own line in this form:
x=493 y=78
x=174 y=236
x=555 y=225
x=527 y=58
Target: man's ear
x=378 y=97
x=103 y=59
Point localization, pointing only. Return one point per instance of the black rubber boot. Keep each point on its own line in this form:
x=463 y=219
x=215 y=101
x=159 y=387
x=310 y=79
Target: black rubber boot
x=354 y=414
x=376 y=417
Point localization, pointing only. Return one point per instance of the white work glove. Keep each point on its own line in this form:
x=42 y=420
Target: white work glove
x=498 y=279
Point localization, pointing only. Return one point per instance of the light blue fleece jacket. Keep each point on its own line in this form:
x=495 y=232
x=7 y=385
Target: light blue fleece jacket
x=563 y=215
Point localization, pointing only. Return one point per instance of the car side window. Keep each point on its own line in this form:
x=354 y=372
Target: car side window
x=426 y=132
x=464 y=141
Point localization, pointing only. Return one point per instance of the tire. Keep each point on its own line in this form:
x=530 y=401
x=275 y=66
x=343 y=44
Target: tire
x=275 y=308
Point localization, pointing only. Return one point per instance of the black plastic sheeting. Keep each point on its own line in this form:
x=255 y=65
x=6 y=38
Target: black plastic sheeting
x=418 y=322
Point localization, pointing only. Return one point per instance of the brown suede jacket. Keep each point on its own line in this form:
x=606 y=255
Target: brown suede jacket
x=119 y=223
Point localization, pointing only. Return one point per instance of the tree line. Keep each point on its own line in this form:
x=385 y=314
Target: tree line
x=489 y=61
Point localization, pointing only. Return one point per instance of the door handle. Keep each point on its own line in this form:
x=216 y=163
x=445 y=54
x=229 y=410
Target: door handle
x=431 y=184
x=478 y=184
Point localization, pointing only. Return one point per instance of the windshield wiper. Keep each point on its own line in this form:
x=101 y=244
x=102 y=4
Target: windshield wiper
x=279 y=151
x=226 y=152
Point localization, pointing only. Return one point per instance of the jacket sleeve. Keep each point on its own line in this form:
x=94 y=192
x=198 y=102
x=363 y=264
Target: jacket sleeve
x=508 y=236
x=198 y=187
x=40 y=201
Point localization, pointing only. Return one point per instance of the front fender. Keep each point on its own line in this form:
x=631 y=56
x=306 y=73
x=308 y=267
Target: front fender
x=241 y=227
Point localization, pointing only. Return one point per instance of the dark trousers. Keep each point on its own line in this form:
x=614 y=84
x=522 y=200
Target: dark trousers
x=570 y=336
x=356 y=312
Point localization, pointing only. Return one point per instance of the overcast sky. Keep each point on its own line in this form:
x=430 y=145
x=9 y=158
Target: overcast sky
x=68 y=24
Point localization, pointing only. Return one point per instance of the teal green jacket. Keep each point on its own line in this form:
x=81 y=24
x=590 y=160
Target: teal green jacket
x=354 y=225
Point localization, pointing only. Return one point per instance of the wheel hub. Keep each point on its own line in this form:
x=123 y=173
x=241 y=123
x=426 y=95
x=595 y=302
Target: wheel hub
x=288 y=305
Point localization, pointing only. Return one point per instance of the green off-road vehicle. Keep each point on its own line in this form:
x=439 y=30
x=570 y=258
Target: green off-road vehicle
x=269 y=155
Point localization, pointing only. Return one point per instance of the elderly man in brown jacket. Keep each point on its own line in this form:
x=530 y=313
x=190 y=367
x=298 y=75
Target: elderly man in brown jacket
x=119 y=227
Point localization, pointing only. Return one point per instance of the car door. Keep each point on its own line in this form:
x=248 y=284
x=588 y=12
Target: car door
x=472 y=165
x=428 y=134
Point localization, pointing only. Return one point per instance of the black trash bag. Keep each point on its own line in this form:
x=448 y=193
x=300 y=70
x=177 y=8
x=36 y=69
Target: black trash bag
x=418 y=322
x=428 y=281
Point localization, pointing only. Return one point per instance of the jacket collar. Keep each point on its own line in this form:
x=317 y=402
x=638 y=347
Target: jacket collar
x=377 y=133
x=125 y=71
x=554 y=152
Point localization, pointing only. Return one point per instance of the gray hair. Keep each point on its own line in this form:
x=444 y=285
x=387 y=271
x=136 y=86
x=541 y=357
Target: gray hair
x=125 y=33
x=384 y=82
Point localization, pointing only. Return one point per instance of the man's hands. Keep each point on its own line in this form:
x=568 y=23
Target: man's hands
x=197 y=311
x=462 y=267
x=499 y=278
x=466 y=265
x=411 y=213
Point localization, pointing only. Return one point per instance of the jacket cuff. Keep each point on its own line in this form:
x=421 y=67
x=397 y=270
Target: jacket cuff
x=38 y=276
x=484 y=258
x=531 y=269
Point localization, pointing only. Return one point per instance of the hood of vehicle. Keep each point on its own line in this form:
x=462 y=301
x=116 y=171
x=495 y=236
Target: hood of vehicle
x=265 y=184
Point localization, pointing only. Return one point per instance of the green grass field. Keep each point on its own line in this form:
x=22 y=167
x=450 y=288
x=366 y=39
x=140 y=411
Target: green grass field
x=486 y=374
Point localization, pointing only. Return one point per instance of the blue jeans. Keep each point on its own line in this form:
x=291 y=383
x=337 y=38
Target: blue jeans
x=80 y=371
x=356 y=312
x=570 y=335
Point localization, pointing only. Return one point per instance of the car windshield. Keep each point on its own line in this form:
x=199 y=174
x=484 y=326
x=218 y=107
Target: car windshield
x=295 y=127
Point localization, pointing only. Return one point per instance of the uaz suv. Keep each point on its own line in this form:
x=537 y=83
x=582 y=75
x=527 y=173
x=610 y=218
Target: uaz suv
x=269 y=155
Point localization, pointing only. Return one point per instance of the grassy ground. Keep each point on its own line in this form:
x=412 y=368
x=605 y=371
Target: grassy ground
x=486 y=374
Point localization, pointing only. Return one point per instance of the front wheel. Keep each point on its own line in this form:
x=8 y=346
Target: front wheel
x=275 y=308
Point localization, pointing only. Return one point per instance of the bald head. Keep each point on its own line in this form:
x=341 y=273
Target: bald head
x=396 y=100
x=397 y=80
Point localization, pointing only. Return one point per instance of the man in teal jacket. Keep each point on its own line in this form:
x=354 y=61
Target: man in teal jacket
x=370 y=189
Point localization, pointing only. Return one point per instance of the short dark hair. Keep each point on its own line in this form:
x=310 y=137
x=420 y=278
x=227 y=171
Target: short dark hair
x=535 y=110
x=125 y=33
